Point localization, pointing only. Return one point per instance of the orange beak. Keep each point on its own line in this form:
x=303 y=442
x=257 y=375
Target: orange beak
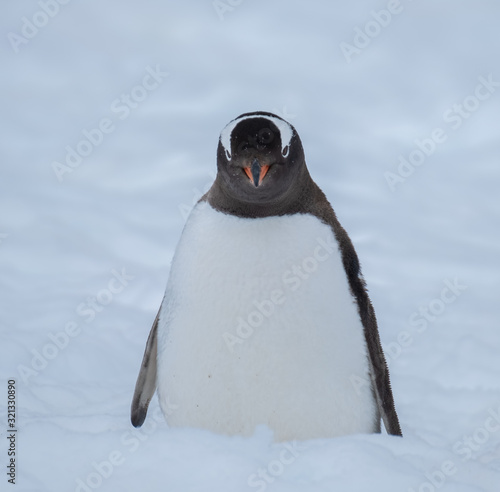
x=256 y=172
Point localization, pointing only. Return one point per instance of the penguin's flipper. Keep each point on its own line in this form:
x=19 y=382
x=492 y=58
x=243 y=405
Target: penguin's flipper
x=145 y=386
x=380 y=373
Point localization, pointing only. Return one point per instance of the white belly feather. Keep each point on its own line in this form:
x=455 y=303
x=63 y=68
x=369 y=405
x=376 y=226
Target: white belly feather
x=258 y=326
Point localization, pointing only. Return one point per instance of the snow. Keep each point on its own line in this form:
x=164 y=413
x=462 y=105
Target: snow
x=423 y=87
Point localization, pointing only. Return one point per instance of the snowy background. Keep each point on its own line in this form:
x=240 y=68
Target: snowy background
x=359 y=102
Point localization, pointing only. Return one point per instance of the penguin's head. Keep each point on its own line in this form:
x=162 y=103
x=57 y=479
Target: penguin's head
x=259 y=159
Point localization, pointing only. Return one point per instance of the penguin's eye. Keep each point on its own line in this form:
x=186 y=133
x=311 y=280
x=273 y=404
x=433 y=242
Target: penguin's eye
x=265 y=136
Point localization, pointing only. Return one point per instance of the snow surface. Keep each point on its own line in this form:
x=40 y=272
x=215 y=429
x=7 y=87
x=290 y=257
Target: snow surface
x=114 y=220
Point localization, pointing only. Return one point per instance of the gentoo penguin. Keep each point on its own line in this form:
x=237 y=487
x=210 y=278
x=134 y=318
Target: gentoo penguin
x=266 y=318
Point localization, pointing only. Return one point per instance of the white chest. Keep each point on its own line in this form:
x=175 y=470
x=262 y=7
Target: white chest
x=258 y=326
